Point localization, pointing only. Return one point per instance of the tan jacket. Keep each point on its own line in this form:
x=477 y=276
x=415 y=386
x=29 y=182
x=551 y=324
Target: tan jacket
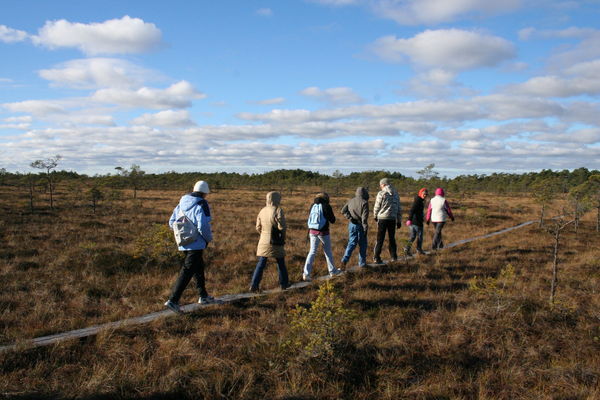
x=271 y=215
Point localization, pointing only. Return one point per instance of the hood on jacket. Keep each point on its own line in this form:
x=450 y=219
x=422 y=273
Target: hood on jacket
x=188 y=201
x=362 y=193
x=321 y=198
x=422 y=192
x=439 y=192
x=273 y=199
x=389 y=189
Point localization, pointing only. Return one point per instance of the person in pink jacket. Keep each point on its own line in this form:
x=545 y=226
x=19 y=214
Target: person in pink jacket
x=438 y=212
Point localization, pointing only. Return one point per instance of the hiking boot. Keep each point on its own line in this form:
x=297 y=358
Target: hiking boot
x=335 y=272
x=407 y=251
x=254 y=289
x=420 y=251
x=344 y=264
x=207 y=300
x=171 y=305
x=377 y=260
x=306 y=278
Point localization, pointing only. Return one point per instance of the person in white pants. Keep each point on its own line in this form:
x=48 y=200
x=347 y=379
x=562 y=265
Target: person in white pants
x=321 y=235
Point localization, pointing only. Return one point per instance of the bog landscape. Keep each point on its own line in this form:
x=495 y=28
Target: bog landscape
x=484 y=320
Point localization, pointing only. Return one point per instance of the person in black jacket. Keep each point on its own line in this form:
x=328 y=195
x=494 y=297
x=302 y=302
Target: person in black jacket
x=357 y=212
x=415 y=222
x=320 y=235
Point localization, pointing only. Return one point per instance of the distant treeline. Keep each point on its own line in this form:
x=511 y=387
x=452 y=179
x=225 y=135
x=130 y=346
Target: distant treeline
x=286 y=179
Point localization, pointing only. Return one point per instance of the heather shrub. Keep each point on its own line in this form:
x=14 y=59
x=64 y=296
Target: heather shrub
x=156 y=245
x=494 y=288
x=318 y=331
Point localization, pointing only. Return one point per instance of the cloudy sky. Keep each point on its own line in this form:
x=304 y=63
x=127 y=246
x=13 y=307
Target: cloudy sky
x=473 y=86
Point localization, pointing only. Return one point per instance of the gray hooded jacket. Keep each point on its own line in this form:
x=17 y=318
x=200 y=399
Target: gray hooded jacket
x=357 y=208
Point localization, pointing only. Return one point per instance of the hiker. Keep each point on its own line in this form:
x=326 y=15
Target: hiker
x=357 y=212
x=320 y=216
x=438 y=212
x=195 y=207
x=271 y=226
x=415 y=222
x=387 y=212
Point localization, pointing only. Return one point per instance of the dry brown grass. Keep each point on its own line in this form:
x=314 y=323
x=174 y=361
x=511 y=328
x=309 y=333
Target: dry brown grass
x=421 y=332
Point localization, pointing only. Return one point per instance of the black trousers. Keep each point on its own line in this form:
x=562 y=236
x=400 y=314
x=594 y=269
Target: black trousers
x=383 y=226
x=193 y=266
x=438 y=241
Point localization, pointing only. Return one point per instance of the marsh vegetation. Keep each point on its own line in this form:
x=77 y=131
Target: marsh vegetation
x=469 y=322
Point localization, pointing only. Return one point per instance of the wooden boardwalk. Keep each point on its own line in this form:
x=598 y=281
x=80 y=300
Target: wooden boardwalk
x=229 y=298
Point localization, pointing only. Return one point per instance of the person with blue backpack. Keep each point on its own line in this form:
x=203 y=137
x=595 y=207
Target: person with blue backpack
x=319 y=218
x=191 y=224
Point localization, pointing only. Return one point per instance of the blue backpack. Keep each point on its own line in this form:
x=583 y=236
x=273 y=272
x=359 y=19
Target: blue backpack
x=316 y=218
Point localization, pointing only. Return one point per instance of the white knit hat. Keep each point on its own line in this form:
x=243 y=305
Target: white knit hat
x=201 y=187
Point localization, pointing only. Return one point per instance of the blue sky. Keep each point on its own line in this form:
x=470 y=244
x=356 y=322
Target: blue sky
x=472 y=86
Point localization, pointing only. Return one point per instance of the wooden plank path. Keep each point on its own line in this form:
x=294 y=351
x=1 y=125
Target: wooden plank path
x=228 y=298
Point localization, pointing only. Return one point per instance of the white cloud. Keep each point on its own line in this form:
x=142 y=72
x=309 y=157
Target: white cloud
x=314 y=130
x=586 y=50
x=501 y=107
x=446 y=49
x=20 y=119
x=71 y=112
x=270 y=102
x=264 y=12
x=416 y=12
x=167 y=118
x=178 y=95
x=21 y=126
x=438 y=77
x=245 y=146
x=334 y=96
x=568 y=33
x=37 y=107
x=498 y=107
x=9 y=35
x=579 y=79
x=418 y=111
x=554 y=86
x=436 y=83
x=83 y=118
x=116 y=36
x=92 y=73
x=588 y=136
x=337 y=3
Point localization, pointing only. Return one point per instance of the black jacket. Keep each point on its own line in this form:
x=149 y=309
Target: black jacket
x=417 y=211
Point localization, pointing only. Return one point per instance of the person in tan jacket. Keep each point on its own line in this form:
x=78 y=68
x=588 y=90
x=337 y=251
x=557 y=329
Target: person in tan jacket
x=270 y=224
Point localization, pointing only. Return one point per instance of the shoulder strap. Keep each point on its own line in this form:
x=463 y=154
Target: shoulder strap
x=204 y=204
